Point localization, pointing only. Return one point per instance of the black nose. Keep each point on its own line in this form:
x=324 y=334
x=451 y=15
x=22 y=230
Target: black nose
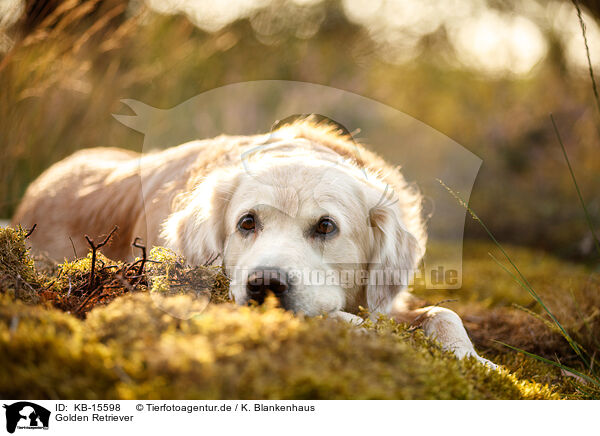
x=261 y=281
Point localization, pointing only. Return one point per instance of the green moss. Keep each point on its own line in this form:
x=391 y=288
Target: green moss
x=133 y=349
x=170 y=275
x=18 y=276
x=47 y=350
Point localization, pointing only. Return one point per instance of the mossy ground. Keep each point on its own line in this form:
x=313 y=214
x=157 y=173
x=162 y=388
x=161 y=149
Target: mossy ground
x=135 y=347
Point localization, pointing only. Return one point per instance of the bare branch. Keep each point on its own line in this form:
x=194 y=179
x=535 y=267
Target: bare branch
x=30 y=231
x=142 y=247
x=73 y=245
x=94 y=251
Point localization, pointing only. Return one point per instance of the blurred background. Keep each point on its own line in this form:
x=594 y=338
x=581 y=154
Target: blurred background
x=485 y=73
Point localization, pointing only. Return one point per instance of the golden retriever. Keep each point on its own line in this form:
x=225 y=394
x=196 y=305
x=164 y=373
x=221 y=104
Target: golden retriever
x=303 y=213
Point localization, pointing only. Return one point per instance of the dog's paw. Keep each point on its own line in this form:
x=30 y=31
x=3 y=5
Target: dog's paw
x=347 y=317
x=486 y=362
x=481 y=360
x=463 y=353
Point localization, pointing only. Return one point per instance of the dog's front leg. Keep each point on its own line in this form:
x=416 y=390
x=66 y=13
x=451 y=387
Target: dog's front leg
x=438 y=323
x=445 y=326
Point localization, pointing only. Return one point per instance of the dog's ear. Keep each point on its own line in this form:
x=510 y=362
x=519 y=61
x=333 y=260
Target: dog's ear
x=394 y=259
x=197 y=229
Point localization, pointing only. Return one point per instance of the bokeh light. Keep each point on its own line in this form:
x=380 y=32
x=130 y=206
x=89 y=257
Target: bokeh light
x=489 y=39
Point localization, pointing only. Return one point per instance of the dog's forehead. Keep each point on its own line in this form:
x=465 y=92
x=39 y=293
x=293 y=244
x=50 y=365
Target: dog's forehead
x=295 y=188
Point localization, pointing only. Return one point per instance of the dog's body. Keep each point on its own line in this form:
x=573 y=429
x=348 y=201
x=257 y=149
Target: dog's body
x=275 y=209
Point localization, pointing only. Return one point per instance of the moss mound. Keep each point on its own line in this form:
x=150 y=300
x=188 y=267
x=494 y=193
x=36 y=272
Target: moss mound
x=133 y=349
x=169 y=275
x=80 y=285
x=18 y=276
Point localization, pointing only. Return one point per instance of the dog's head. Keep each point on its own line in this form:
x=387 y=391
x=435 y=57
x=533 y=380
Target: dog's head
x=320 y=235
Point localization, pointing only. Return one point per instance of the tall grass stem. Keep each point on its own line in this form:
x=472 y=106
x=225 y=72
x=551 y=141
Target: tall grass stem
x=584 y=207
x=587 y=52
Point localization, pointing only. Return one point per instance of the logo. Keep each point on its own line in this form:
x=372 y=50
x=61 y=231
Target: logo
x=26 y=415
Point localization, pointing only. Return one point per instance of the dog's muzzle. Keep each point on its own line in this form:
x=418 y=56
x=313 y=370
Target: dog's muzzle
x=261 y=281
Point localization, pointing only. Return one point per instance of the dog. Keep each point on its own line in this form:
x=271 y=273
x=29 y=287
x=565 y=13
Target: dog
x=278 y=210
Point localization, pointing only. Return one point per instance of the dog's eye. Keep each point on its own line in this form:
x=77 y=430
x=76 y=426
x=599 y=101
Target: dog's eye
x=325 y=226
x=247 y=223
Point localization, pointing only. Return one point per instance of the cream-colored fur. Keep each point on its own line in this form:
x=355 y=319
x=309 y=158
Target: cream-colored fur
x=190 y=198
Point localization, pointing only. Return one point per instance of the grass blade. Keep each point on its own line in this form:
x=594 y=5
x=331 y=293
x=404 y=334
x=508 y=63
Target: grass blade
x=587 y=215
x=586 y=377
x=587 y=52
